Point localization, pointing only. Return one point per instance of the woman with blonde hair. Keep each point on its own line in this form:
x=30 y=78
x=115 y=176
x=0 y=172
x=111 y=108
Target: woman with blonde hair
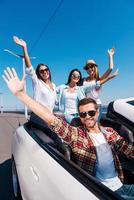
x=93 y=75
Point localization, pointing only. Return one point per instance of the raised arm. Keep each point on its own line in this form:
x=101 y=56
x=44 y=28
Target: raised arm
x=16 y=86
x=23 y=44
x=110 y=55
x=104 y=80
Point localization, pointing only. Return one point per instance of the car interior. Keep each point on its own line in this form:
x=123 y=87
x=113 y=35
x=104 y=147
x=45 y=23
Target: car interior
x=119 y=124
x=50 y=138
x=53 y=140
x=45 y=137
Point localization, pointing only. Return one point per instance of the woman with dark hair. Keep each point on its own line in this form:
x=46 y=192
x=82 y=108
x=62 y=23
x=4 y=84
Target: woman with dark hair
x=44 y=89
x=70 y=93
x=38 y=71
x=79 y=83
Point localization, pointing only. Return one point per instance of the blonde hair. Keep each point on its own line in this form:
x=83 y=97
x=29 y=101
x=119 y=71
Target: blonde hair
x=96 y=74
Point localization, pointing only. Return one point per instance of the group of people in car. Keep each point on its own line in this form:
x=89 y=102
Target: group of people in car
x=66 y=96
x=95 y=147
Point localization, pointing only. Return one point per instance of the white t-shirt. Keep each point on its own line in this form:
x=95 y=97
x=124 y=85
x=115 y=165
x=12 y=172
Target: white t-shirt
x=70 y=102
x=42 y=92
x=93 y=94
x=105 y=169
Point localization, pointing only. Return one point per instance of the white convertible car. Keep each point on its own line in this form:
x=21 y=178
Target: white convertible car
x=43 y=167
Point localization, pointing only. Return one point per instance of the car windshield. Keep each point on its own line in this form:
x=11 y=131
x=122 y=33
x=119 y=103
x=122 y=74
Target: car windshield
x=131 y=102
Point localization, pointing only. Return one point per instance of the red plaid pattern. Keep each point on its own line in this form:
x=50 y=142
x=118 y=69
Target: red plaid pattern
x=83 y=148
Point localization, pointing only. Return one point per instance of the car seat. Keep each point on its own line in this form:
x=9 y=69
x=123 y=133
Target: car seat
x=56 y=141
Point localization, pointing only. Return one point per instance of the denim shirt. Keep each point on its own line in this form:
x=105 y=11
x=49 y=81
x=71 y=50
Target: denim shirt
x=81 y=93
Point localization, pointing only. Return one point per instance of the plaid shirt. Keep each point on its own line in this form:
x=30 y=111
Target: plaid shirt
x=83 y=148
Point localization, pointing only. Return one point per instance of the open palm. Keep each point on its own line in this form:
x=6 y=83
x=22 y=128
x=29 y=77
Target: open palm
x=14 y=84
x=111 y=51
x=19 y=41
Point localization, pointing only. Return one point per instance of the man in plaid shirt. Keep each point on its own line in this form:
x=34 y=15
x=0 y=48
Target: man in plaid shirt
x=95 y=148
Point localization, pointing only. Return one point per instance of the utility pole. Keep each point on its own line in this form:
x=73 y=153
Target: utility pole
x=1 y=103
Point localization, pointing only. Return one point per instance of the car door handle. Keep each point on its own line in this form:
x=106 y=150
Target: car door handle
x=35 y=174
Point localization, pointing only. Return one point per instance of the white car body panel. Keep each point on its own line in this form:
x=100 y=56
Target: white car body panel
x=41 y=172
x=40 y=176
x=122 y=107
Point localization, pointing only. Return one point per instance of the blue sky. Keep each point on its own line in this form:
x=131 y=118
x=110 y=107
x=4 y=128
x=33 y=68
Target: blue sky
x=80 y=30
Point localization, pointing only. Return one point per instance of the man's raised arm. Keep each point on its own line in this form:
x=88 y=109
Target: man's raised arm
x=16 y=86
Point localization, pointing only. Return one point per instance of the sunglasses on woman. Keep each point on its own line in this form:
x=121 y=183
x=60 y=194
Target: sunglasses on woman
x=91 y=113
x=75 y=76
x=91 y=66
x=43 y=70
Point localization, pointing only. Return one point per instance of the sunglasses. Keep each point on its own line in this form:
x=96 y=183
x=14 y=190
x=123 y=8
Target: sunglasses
x=43 y=70
x=91 y=66
x=91 y=113
x=75 y=76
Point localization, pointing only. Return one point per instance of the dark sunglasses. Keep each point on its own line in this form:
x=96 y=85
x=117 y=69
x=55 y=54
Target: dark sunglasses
x=43 y=70
x=75 y=76
x=91 y=113
x=91 y=66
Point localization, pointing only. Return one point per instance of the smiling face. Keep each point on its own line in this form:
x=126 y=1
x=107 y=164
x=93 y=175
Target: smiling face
x=88 y=115
x=75 y=77
x=91 y=70
x=44 y=73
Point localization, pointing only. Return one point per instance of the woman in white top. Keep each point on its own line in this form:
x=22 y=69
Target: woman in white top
x=69 y=94
x=92 y=69
x=44 y=89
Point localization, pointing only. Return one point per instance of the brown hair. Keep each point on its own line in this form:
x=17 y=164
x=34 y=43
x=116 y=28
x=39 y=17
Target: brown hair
x=38 y=73
x=86 y=101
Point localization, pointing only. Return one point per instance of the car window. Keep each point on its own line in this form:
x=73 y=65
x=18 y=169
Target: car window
x=131 y=102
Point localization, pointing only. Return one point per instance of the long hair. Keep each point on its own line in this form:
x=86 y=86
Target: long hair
x=97 y=78
x=38 y=73
x=70 y=74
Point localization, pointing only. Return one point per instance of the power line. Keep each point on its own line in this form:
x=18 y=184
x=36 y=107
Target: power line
x=47 y=24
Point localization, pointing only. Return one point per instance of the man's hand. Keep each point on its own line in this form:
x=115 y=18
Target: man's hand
x=19 y=41
x=111 y=51
x=15 y=85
